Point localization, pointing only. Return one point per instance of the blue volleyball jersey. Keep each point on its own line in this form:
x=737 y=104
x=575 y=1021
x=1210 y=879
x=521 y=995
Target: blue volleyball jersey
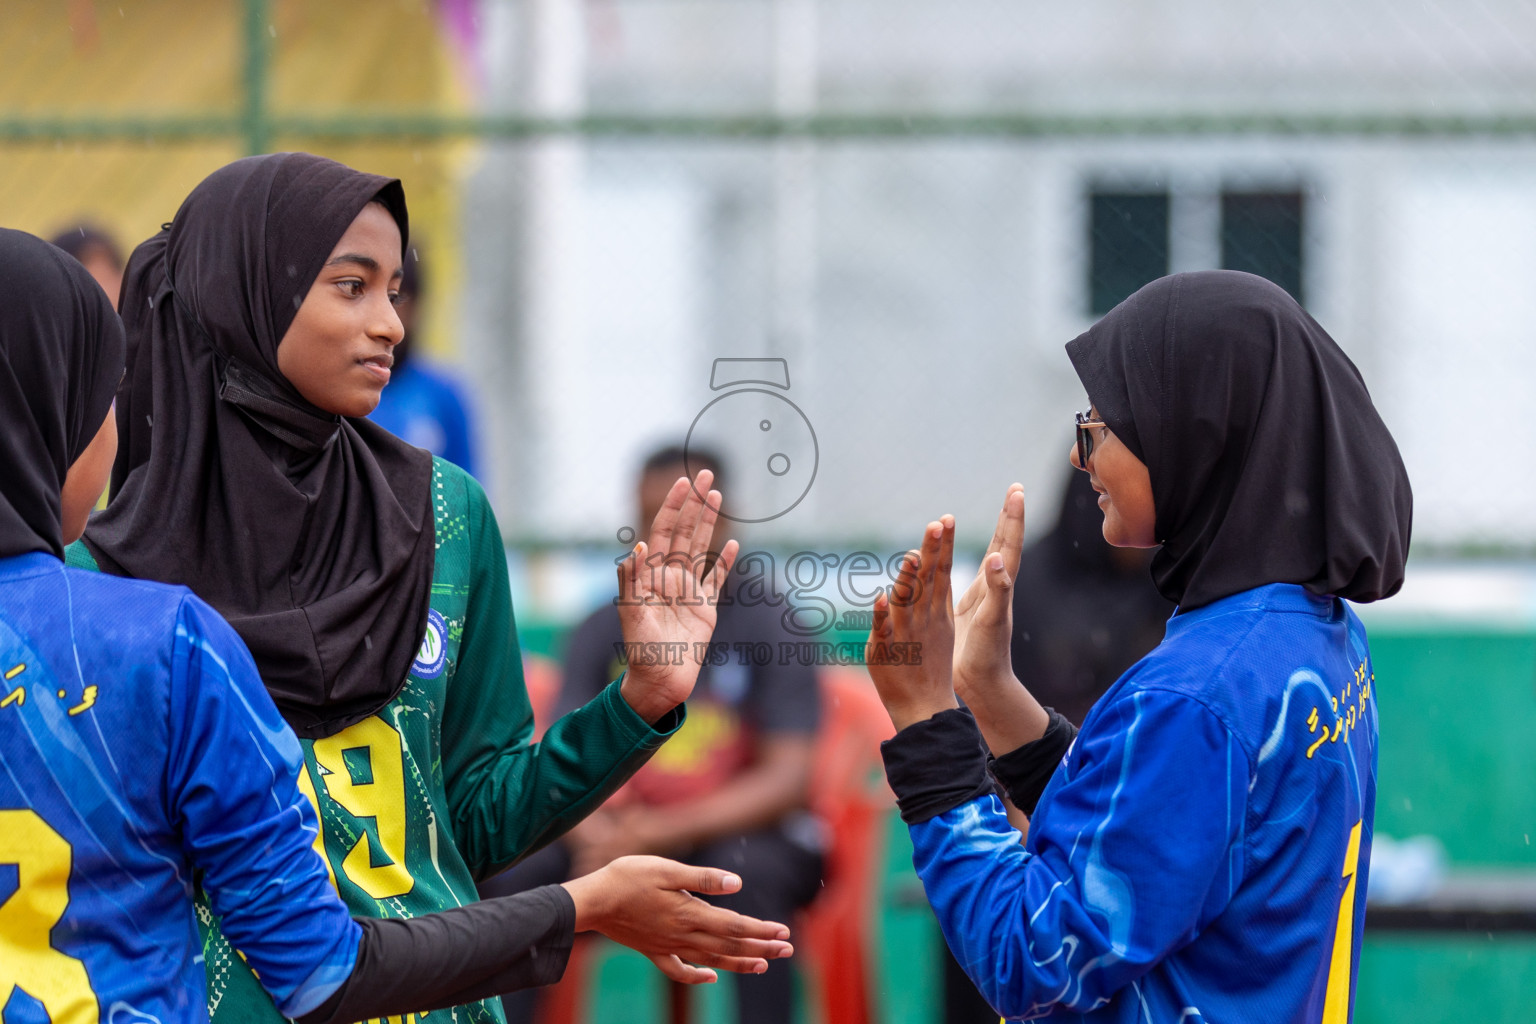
x=137 y=744
x=1201 y=852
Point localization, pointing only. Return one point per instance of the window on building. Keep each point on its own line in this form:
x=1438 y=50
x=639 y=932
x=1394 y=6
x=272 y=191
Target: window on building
x=1261 y=233
x=1128 y=243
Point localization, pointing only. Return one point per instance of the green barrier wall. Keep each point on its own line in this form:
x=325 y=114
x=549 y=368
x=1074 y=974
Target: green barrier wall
x=1458 y=760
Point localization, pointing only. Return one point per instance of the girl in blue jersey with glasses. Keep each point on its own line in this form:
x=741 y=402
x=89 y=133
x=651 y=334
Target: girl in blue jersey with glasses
x=1199 y=850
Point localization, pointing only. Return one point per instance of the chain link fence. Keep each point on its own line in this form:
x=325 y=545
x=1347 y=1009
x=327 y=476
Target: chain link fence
x=912 y=205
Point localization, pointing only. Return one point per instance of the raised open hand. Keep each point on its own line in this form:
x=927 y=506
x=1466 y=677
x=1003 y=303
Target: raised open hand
x=983 y=668
x=667 y=598
x=911 y=642
x=984 y=616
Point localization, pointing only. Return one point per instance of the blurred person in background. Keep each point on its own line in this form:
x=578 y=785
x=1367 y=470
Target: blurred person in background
x=1083 y=613
x=98 y=252
x=424 y=404
x=729 y=790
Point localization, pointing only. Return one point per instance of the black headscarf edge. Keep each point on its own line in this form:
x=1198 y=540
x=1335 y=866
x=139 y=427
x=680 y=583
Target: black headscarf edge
x=1136 y=362
x=63 y=357
x=334 y=612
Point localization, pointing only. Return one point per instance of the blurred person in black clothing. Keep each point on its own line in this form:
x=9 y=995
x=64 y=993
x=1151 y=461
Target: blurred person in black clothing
x=96 y=251
x=729 y=790
x=1083 y=613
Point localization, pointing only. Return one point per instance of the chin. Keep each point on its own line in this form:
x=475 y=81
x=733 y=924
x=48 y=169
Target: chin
x=355 y=406
x=1116 y=538
x=1115 y=534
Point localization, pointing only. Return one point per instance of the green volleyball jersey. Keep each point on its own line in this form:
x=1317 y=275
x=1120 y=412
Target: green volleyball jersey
x=442 y=786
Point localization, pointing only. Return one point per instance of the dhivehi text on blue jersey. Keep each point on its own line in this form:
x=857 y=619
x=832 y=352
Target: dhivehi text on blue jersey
x=137 y=744
x=1201 y=852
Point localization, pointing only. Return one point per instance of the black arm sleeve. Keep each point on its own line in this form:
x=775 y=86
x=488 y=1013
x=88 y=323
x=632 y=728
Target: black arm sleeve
x=936 y=765
x=453 y=957
x=1024 y=771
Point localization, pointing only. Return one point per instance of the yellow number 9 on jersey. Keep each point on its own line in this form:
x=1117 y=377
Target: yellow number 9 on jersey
x=28 y=960
x=381 y=798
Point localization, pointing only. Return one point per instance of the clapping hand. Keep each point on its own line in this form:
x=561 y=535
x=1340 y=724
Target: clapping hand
x=912 y=639
x=667 y=598
x=984 y=616
x=1008 y=715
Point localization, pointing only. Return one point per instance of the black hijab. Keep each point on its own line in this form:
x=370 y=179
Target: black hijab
x=61 y=357
x=311 y=533
x=1268 y=461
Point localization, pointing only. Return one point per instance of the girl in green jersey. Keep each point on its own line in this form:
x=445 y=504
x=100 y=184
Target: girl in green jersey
x=367 y=577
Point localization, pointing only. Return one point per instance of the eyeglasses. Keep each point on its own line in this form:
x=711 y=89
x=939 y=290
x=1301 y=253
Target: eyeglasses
x=1085 y=427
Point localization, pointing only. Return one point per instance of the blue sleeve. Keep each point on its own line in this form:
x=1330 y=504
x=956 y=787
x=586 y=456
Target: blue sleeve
x=458 y=439
x=233 y=789
x=1128 y=858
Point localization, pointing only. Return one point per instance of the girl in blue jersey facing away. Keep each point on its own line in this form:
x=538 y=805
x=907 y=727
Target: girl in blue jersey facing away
x=1198 y=851
x=368 y=579
x=138 y=747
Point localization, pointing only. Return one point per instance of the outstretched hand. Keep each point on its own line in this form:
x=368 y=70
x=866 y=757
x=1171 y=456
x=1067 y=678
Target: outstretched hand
x=984 y=616
x=646 y=903
x=912 y=638
x=667 y=598
x=1005 y=711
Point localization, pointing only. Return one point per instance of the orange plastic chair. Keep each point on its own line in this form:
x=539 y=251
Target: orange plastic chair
x=849 y=794
x=541 y=678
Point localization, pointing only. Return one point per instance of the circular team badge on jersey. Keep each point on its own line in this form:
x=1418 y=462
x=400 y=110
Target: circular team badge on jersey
x=433 y=655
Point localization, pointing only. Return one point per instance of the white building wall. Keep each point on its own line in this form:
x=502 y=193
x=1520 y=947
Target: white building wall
x=948 y=273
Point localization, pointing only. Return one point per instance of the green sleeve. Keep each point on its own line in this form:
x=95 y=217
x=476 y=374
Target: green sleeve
x=509 y=797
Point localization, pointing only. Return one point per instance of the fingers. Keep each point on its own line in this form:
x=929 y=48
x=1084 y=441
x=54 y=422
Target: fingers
x=686 y=878
x=677 y=522
x=734 y=964
x=704 y=917
x=931 y=565
x=996 y=543
x=693 y=509
x=998 y=579
x=722 y=569
x=701 y=945
x=678 y=971
x=904 y=589
x=947 y=544
x=946 y=559
x=928 y=566
x=665 y=523
x=1011 y=525
x=880 y=624
x=755 y=937
x=708 y=515
x=629 y=575
x=710 y=881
